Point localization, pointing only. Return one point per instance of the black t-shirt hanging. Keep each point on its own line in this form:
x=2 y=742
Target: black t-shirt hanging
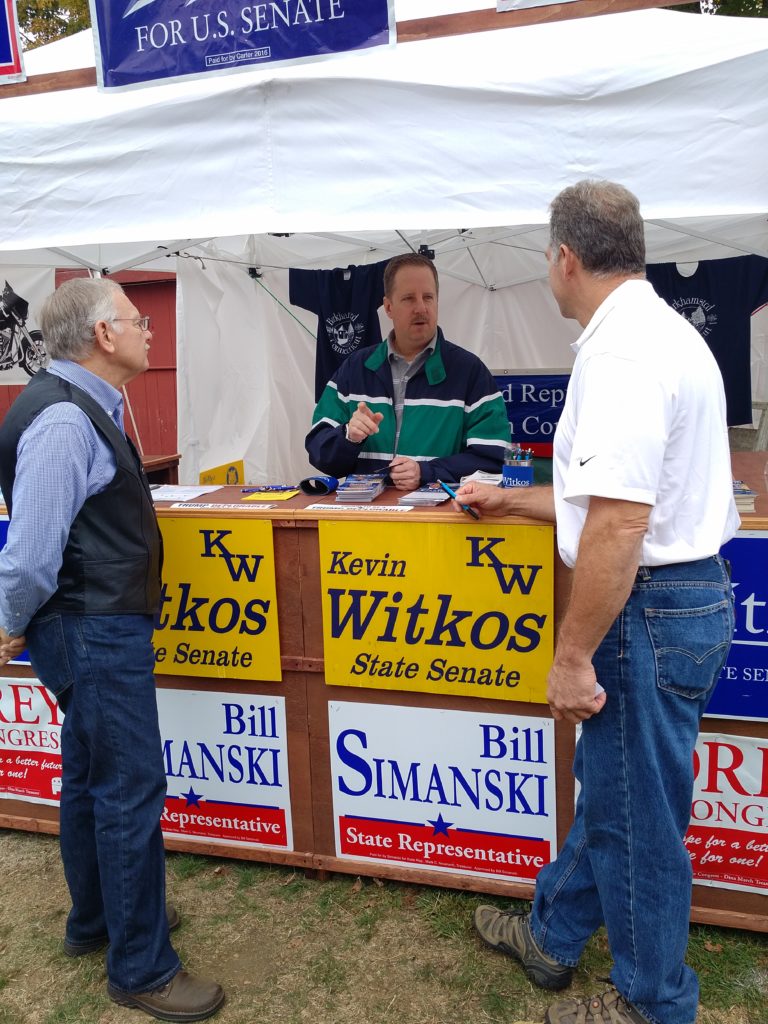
x=346 y=302
x=718 y=299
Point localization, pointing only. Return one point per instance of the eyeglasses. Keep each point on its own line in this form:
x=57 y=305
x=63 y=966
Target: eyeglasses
x=142 y=322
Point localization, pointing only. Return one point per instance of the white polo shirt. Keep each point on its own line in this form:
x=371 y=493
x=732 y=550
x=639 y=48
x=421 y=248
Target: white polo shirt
x=644 y=420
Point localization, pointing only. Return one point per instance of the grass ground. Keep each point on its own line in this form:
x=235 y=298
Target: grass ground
x=291 y=949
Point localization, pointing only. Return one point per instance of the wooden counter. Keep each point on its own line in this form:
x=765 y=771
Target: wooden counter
x=161 y=469
x=752 y=467
x=311 y=704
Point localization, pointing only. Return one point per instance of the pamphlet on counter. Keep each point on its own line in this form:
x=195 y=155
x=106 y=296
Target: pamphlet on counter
x=181 y=492
x=428 y=495
x=743 y=496
x=360 y=487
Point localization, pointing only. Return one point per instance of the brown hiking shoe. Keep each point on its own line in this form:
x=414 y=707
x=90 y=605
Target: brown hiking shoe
x=509 y=931
x=608 y=1008
x=184 y=998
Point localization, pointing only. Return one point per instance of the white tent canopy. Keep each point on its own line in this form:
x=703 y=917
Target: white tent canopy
x=457 y=143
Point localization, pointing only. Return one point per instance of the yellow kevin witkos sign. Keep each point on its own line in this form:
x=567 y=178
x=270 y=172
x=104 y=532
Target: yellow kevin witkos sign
x=438 y=608
x=218 y=613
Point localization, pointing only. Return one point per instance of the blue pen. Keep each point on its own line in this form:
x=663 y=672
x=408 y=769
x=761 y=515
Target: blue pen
x=273 y=488
x=465 y=508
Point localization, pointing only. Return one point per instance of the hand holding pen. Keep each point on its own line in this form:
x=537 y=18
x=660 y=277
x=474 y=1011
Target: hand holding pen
x=485 y=497
x=464 y=508
x=404 y=473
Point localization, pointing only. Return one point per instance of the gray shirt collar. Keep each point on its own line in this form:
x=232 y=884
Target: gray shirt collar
x=422 y=356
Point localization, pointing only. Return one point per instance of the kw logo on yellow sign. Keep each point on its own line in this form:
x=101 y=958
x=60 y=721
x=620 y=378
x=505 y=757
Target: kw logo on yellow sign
x=218 y=610
x=438 y=608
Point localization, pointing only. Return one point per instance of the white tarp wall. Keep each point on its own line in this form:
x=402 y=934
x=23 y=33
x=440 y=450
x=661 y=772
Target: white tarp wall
x=245 y=375
x=469 y=132
x=246 y=369
x=482 y=125
x=246 y=365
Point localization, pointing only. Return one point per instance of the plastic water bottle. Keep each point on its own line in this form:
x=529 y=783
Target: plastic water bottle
x=512 y=457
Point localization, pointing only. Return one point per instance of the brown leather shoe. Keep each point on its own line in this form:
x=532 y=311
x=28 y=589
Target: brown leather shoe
x=102 y=941
x=184 y=998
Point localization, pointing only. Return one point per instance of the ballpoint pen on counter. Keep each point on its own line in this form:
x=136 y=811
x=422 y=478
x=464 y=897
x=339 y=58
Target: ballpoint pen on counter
x=275 y=488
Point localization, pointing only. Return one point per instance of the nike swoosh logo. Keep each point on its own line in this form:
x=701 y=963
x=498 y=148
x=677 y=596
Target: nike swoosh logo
x=583 y=462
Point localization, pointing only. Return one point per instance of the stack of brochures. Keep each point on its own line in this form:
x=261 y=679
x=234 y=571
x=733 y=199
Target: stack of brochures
x=359 y=488
x=429 y=494
x=743 y=496
x=481 y=477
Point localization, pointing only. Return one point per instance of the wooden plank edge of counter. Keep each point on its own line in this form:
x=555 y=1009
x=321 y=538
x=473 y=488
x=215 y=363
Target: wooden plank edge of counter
x=413 y=515
x=260 y=854
x=514 y=890
x=729 y=919
x=22 y=824
x=417 y=876
x=411 y=876
x=749 y=521
x=287 y=518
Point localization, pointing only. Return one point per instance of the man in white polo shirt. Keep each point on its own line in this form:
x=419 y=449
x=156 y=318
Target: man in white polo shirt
x=642 y=498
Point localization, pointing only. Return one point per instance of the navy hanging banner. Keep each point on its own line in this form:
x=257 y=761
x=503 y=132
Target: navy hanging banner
x=141 y=42
x=534 y=401
x=11 y=68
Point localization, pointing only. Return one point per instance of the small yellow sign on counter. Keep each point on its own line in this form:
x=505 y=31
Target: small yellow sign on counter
x=229 y=473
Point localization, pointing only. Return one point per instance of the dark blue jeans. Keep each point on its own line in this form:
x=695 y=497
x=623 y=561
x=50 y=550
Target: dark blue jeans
x=113 y=788
x=624 y=862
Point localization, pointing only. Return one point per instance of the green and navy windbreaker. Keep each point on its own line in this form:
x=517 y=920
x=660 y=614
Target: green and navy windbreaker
x=454 y=418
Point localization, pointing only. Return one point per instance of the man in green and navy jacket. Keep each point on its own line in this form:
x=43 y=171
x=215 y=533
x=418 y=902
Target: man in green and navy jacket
x=415 y=405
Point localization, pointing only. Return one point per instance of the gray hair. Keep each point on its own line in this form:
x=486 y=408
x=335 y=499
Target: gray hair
x=68 y=317
x=600 y=222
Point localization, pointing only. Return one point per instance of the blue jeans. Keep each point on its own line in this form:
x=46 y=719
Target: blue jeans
x=113 y=788
x=624 y=862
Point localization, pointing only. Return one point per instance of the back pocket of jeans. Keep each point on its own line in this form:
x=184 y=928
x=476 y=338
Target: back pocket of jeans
x=48 y=653
x=689 y=646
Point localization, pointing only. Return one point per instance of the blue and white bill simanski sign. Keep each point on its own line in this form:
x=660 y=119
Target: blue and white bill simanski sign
x=140 y=42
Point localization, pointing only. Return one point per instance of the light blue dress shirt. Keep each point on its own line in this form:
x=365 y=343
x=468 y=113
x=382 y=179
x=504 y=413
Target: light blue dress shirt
x=62 y=461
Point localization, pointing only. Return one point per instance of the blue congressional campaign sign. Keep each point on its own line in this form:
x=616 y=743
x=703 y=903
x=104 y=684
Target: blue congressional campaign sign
x=742 y=691
x=140 y=41
x=534 y=402
x=10 y=55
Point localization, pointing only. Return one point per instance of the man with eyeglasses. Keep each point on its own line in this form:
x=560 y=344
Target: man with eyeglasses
x=80 y=586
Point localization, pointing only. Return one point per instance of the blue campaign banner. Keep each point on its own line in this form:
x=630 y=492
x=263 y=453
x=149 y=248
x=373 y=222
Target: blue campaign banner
x=10 y=55
x=5 y=36
x=23 y=659
x=534 y=402
x=742 y=691
x=144 y=41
